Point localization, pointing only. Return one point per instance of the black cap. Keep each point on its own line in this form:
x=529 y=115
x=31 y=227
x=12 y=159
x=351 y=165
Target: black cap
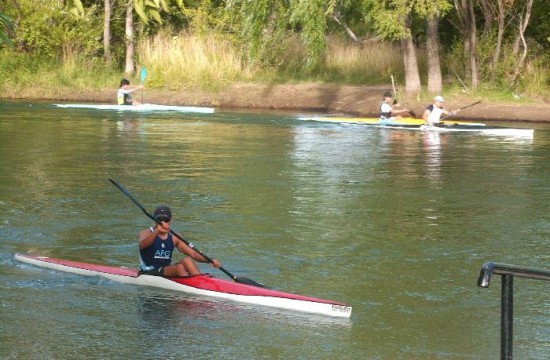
x=163 y=212
x=388 y=94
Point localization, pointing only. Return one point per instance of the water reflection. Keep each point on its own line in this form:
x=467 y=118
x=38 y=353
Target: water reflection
x=130 y=125
x=160 y=309
x=431 y=143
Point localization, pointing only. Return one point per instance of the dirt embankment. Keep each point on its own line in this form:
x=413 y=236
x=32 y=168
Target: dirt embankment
x=330 y=98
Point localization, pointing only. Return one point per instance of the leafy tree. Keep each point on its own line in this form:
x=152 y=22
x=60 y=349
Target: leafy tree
x=267 y=22
x=432 y=11
x=493 y=53
x=268 y=29
x=539 y=27
x=261 y=20
x=392 y=20
x=5 y=27
x=466 y=23
x=145 y=9
x=75 y=8
x=46 y=30
x=311 y=16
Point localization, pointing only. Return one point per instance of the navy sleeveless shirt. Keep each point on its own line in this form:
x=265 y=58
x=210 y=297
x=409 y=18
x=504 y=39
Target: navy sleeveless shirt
x=157 y=255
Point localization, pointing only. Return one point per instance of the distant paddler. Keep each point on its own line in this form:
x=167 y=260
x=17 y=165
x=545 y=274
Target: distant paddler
x=391 y=110
x=124 y=94
x=432 y=114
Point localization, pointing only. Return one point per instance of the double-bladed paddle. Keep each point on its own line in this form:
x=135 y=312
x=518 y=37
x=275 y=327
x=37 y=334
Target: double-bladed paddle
x=142 y=76
x=462 y=108
x=411 y=112
x=235 y=278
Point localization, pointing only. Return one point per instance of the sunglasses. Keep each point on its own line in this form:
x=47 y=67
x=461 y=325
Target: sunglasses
x=164 y=219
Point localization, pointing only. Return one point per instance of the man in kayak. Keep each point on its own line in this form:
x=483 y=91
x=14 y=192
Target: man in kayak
x=124 y=93
x=433 y=113
x=156 y=246
x=388 y=108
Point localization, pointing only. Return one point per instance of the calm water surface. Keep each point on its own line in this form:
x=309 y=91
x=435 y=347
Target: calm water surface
x=395 y=223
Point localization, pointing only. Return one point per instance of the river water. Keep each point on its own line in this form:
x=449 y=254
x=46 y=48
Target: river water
x=395 y=223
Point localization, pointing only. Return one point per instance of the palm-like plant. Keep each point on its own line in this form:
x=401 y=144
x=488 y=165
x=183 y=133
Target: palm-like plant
x=5 y=25
x=145 y=9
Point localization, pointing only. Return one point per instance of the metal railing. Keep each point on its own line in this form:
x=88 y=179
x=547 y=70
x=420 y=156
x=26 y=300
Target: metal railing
x=508 y=273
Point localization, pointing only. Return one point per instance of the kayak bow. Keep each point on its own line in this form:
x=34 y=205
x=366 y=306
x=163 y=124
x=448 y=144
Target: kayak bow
x=202 y=285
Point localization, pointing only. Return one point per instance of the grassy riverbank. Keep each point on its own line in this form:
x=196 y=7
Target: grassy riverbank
x=208 y=63
x=212 y=71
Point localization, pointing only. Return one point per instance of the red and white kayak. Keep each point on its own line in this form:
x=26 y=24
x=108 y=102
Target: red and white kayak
x=203 y=284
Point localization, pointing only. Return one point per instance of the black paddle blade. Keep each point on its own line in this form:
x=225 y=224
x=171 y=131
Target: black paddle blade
x=250 y=282
x=469 y=106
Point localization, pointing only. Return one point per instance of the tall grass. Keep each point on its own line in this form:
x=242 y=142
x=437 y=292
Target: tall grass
x=363 y=63
x=212 y=62
x=30 y=75
x=175 y=62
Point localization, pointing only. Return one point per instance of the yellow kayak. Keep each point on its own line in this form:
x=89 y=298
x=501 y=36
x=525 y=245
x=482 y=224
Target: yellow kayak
x=405 y=121
x=451 y=125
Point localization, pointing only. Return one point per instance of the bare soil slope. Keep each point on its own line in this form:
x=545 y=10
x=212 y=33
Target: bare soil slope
x=330 y=98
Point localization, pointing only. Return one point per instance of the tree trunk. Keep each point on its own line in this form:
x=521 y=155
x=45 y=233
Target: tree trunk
x=487 y=16
x=463 y=25
x=521 y=61
x=435 y=83
x=107 y=32
x=473 y=46
x=350 y=32
x=500 y=34
x=522 y=27
x=129 y=68
x=412 y=76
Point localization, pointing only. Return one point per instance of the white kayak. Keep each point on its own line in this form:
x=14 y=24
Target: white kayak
x=139 y=108
x=412 y=124
x=512 y=133
x=202 y=285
